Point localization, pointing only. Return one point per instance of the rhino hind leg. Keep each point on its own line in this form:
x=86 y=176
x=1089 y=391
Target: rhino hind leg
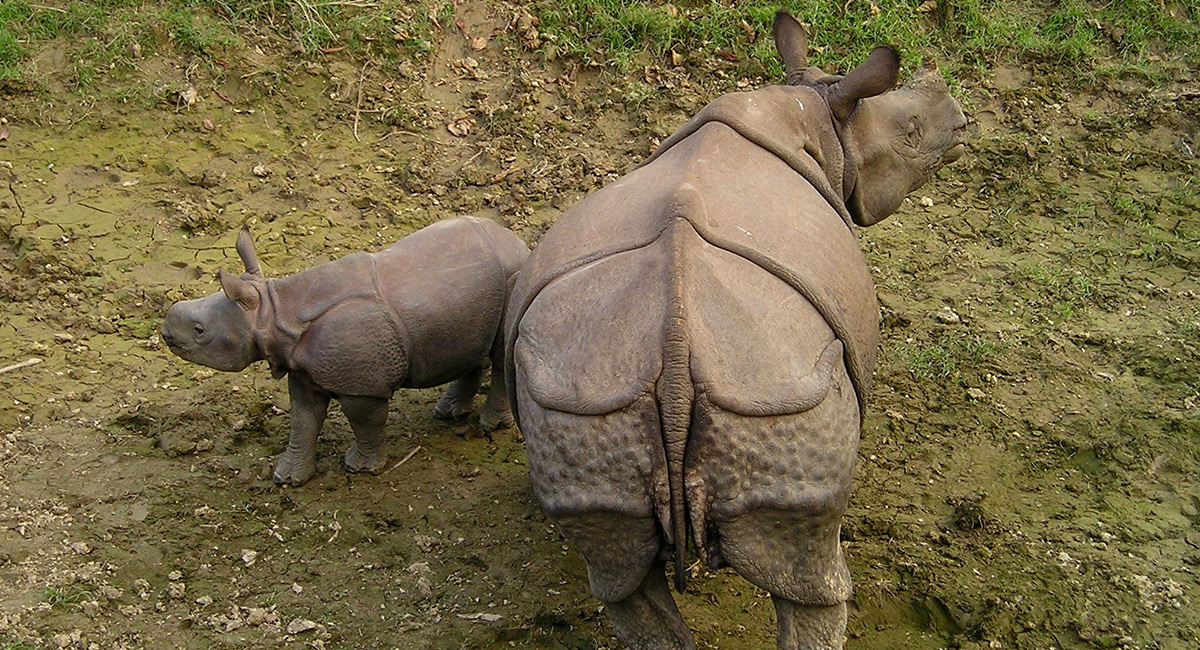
x=495 y=412
x=456 y=402
x=367 y=416
x=625 y=572
x=809 y=627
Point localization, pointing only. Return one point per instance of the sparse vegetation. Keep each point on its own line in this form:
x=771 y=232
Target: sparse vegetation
x=946 y=357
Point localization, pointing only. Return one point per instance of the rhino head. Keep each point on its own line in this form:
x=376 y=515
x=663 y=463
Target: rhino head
x=218 y=330
x=893 y=140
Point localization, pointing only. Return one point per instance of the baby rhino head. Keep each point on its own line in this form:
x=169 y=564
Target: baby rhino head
x=218 y=330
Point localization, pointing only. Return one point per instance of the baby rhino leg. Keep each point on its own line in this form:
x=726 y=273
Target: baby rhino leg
x=456 y=401
x=495 y=412
x=367 y=416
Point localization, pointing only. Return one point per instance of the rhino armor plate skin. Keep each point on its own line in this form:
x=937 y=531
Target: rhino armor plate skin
x=423 y=312
x=690 y=348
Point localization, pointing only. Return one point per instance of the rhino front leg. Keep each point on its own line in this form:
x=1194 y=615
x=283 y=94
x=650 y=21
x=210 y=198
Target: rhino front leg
x=367 y=416
x=456 y=401
x=309 y=406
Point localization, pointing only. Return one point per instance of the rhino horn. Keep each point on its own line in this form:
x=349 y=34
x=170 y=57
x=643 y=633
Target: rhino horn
x=792 y=44
x=245 y=249
x=238 y=290
x=872 y=77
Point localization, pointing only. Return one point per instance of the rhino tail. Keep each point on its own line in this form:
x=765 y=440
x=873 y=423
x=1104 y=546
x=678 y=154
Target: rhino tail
x=676 y=395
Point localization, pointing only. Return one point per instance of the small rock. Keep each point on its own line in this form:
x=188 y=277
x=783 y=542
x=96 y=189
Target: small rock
x=260 y=616
x=296 y=588
x=948 y=316
x=204 y=601
x=249 y=556
x=189 y=96
x=204 y=444
x=176 y=590
x=175 y=575
x=300 y=625
x=926 y=202
x=63 y=337
x=976 y=394
x=261 y=171
x=81 y=548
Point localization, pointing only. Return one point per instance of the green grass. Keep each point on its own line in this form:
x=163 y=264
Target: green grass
x=970 y=34
x=964 y=35
x=103 y=35
x=56 y=597
x=946 y=356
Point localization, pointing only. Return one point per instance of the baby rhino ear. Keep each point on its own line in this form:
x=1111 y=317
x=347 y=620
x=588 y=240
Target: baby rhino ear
x=238 y=290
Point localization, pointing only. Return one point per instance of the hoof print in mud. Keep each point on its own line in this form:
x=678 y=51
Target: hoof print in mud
x=361 y=327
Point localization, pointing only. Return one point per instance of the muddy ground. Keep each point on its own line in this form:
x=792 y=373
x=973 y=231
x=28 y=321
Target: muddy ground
x=1029 y=464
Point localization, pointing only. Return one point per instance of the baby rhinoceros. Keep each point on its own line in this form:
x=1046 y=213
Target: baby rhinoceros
x=690 y=348
x=423 y=312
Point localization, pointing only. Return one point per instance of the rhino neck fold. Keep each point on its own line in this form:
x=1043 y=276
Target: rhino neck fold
x=267 y=333
x=792 y=123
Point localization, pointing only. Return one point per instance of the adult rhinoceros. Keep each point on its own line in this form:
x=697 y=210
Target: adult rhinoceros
x=691 y=346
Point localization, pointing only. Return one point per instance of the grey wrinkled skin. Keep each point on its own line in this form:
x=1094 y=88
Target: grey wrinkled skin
x=690 y=348
x=423 y=312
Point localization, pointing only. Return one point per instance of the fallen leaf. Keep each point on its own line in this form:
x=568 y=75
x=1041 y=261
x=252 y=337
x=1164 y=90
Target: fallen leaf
x=461 y=127
x=208 y=125
x=750 y=33
x=332 y=50
x=478 y=43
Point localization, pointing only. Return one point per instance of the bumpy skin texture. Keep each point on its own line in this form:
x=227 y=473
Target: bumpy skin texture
x=690 y=348
x=423 y=312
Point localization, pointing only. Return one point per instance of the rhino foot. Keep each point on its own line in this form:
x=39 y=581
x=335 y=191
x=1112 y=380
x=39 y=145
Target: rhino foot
x=369 y=463
x=490 y=420
x=293 y=470
x=449 y=408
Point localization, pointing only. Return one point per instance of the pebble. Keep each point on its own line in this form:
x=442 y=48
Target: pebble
x=249 y=556
x=948 y=316
x=300 y=625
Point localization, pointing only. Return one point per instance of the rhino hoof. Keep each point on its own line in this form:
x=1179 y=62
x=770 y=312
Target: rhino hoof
x=293 y=472
x=449 y=410
x=356 y=461
x=494 y=421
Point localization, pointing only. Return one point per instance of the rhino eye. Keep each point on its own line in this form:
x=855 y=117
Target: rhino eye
x=198 y=329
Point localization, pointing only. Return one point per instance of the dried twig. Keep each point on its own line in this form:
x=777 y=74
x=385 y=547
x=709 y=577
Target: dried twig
x=405 y=459
x=362 y=78
x=25 y=364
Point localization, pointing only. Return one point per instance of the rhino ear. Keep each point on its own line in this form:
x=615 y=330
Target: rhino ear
x=245 y=249
x=792 y=44
x=874 y=76
x=238 y=290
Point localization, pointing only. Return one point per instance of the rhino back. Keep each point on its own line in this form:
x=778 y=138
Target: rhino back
x=742 y=202
x=447 y=285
